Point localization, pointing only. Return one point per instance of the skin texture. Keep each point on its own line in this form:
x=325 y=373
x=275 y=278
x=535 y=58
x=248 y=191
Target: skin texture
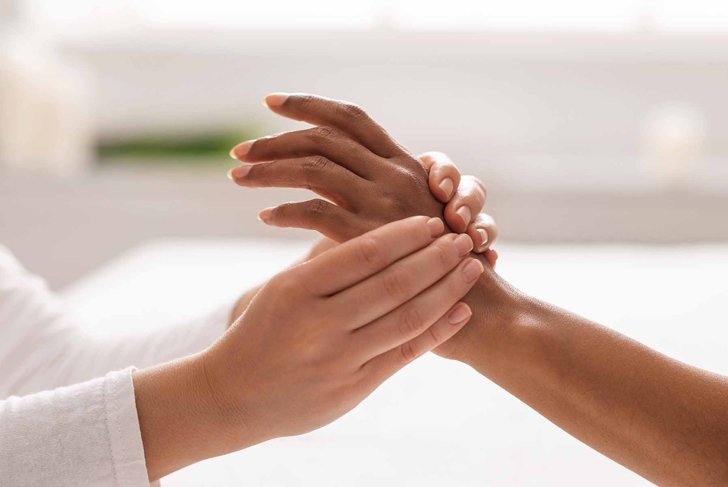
x=367 y=178
x=664 y=419
x=373 y=304
x=446 y=185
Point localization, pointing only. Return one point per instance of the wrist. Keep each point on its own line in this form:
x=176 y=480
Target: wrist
x=499 y=310
x=179 y=421
x=242 y=304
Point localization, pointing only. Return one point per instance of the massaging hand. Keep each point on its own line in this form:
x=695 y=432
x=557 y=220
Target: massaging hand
x=353 y=162
x=314 y=342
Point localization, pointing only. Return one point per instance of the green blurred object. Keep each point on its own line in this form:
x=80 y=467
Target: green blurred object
x=174 y=149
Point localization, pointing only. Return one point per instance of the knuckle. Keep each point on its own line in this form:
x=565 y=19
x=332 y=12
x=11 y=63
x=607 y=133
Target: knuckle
x=354 y=111
x=315 y=163
x=325 y=134
x=316 y=208
x=303 y=100
x=408 y=352
x=410 y=321
x=371 y=251
x=396 y=284
x=434 y=335
x=443 y=253
x=284 y=284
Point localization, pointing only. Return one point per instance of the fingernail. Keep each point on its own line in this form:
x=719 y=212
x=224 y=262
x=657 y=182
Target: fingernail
x=447 y=186
x=460 y=313
x=265 y=214
x=472 y=270
x=483 y=239
x=463 y=244
x=464 y=213
x=241 y=150
x=240 y=171
x=275 y=99
x=436 y=226
x=230 y=175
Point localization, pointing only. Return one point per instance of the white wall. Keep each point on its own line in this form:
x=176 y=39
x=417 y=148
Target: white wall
x=526 y=110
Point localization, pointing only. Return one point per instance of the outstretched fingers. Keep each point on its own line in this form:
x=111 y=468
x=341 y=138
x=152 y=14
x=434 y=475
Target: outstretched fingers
x=345 y=116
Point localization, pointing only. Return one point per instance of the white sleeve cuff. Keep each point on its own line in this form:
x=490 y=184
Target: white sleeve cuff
x=122 y=422
x=84 y=434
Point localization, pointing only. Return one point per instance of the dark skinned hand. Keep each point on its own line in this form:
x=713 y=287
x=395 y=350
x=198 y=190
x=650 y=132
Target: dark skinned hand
x=367 y=177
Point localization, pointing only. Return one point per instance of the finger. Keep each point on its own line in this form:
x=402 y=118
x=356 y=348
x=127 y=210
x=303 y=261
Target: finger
x=444 y=176
x=345 y=116
x=491 y=256
x=417 y=315
x=378 y=369
x=402 y=281
x=483 y=231
x=468 y=201
x=315 y=173
x=355 y=260
x=317 y=141
x=326 y=218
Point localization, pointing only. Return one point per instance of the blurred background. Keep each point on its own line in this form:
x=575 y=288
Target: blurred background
x=589 y=121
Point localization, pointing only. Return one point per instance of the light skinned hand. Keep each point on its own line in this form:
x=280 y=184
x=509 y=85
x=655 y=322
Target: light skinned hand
x=315 y=341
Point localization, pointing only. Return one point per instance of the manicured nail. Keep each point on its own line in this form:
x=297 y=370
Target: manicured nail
x=240 y=171
x=447 y=186
x=460 y=313
x=472 y=270
x=241 y=150
x=483 y=238
x=436 y=226
x=463 y=244
x=265 y=214
x=230 y=175
x=464 y=213
x=275 y=99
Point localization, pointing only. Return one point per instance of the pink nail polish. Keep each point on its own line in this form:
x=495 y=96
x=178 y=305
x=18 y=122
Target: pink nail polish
x=241 y=150
x=483 y=238
x=472 y=270
x=275 y=99
x=265 y=214
x=447 y=186
x=463 y=244
x=240 y=171
x=460 y=313
x=464 y=213
x=436 y=226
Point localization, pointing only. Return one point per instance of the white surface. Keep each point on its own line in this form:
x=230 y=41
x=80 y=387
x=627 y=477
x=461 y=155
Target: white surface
x=437 y=422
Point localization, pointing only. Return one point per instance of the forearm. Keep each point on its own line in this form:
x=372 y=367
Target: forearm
x=180 y=422
x=663 y=419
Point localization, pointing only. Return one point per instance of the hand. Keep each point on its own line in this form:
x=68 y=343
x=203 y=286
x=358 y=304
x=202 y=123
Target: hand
x=315 y=341
x=463 y=196
x=369 y=310
x=369 y=184
x=351 y=160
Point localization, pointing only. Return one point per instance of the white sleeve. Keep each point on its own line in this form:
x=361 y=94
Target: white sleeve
x=85 y=434
x=41 y=348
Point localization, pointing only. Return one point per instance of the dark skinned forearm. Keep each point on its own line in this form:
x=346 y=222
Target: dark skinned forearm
x=661 y=418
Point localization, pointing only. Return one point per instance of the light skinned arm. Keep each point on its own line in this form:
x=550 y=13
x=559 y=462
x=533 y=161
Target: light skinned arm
x=372 y=305
x=663 y=419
